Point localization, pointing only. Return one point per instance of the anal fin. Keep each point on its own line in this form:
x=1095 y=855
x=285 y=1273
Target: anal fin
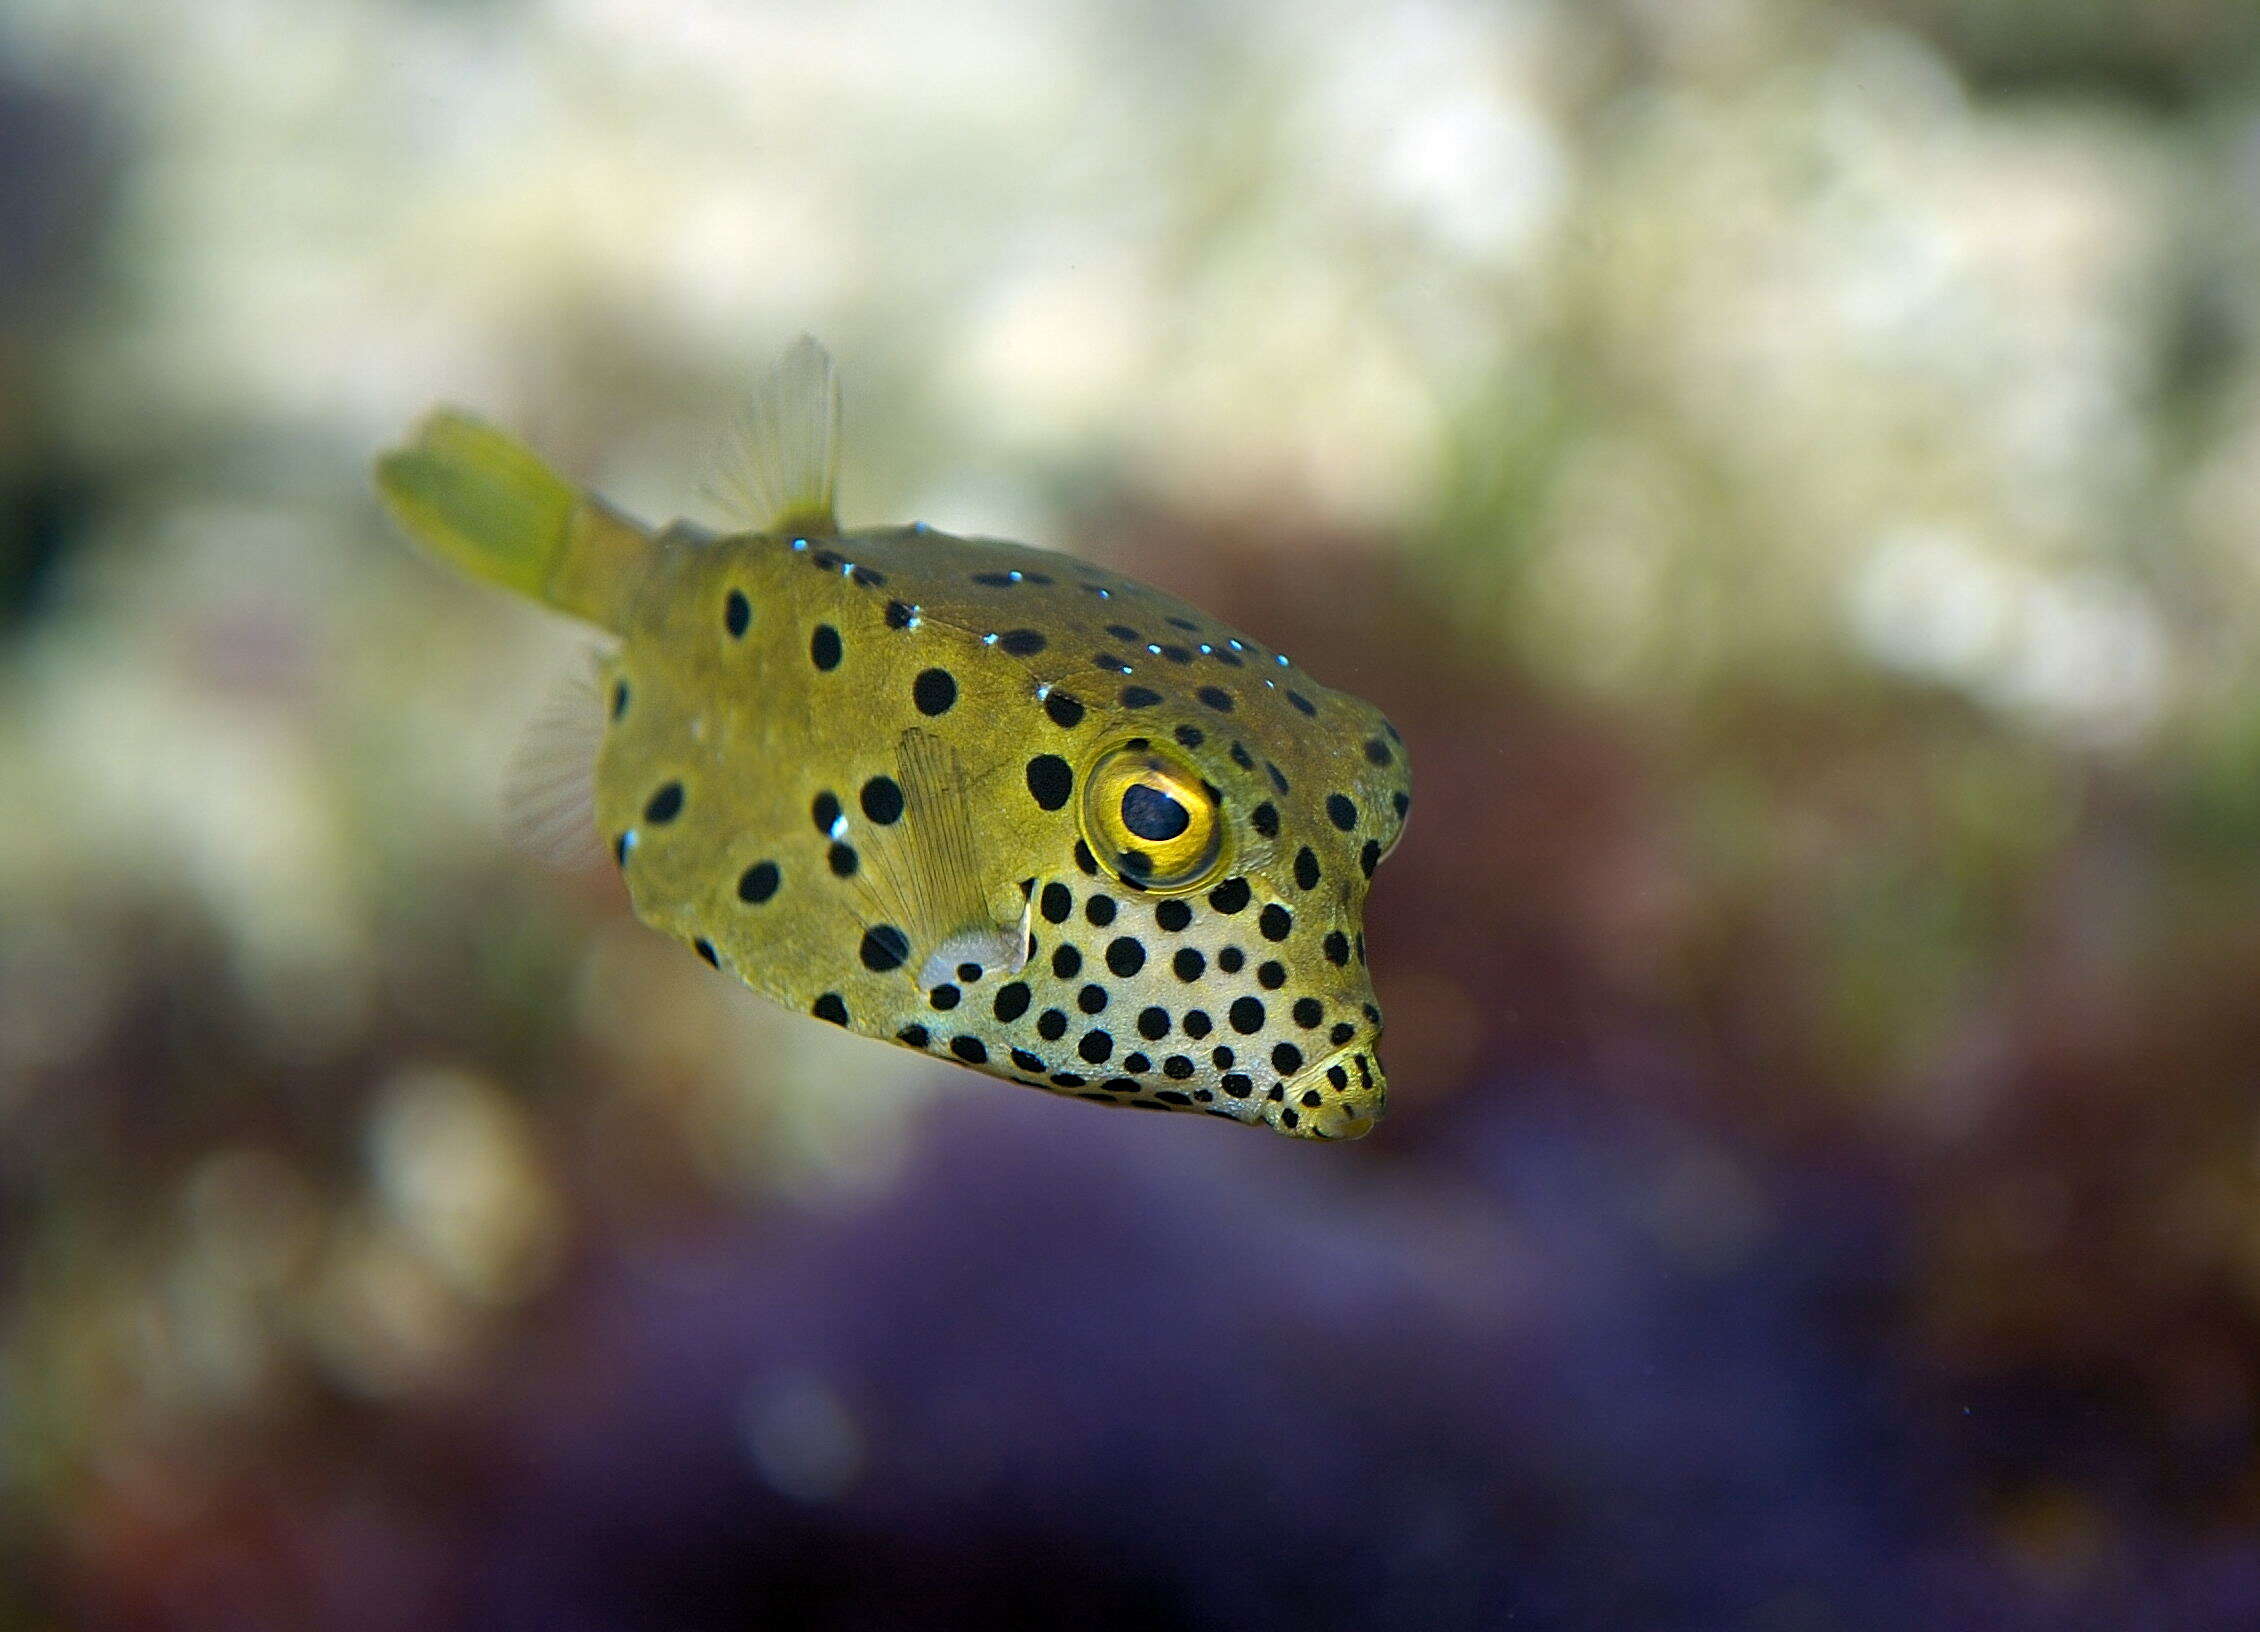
x=549 y=784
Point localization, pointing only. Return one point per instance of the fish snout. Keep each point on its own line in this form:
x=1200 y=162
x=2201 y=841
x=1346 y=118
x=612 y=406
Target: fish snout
x=1341 y=1096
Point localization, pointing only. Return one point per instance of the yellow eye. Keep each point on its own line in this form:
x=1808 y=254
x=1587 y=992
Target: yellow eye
x=1150 y=821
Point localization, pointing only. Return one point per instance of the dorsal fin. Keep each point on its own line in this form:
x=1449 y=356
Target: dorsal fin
x=779 y=472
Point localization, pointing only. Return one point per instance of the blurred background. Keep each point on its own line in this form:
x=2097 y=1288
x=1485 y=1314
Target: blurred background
x=1791 y=468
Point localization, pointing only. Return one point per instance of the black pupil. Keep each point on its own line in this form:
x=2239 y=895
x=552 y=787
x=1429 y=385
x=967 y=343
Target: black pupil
x=1152 y=814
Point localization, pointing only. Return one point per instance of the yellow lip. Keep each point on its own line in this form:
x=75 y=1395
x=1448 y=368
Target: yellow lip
x=1349 y=1109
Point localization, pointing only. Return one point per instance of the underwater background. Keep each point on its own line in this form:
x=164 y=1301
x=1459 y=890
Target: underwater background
x=1790 y=467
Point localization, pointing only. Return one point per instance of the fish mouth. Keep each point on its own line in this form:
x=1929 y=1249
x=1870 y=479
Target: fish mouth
x=1350 y=1090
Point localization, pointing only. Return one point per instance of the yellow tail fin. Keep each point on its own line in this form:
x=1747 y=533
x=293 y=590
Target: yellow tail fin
x=490 y=507
x=481 y=500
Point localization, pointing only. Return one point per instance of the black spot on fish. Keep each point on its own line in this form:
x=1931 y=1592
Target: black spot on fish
x=1022 y=642
x=970 y=1049
x=1109 y=662
x=1306 y=869
x=1100 y=910
x=1057 y=903
x=884 y=947
x=1230 y=896
x=1067 y=963
x=1064 y=710
x=882 y=800
x=664 y=805
x=1271 y=974
x=1011 y=1001
x=1126 y=955
x=1139 y=697
x=619 y=698
x=1173 y=915
x=1240 y=757
x=1337 y=948
x=1275 y=923
x=1341 y=812
x=1265 y=819
x=944 y=997
x=831 y=1006
x=824 y=647
x=1369 y=857
x=1050 y=781
x=1309 y=1011
x=1051 y=1025
x=737 y=612
x=1190 y=736
x=758 y=883
x=1030 y=1063
x=824 y=811
x=1230 y=960
x=1286 y=1059
x=1189 y=964
x=1122 y=631
x=843 y=860
x=1091 y=999
x=899 y=614
x=1246 y=1015
x=1096 y=1047
x=915 y=1036
x=705 y=949
x=1153 y=1024
x=1377 y=752
x=1215 y=697
x=934 y=691
x=1302 y=703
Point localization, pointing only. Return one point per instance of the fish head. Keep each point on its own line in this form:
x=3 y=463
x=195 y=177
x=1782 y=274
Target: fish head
x=1209 y=914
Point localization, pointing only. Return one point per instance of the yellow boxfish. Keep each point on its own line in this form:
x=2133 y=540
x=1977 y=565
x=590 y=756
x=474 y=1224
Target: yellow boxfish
x=982 y=800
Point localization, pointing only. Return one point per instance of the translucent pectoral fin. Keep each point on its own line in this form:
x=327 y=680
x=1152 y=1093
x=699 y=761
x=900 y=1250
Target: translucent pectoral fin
x=997 y=949
x=927 y=873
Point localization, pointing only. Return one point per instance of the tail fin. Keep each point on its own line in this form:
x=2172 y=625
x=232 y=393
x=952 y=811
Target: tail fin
x=491 y=508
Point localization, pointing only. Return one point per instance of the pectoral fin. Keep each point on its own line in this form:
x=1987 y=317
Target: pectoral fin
x=928 y=875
